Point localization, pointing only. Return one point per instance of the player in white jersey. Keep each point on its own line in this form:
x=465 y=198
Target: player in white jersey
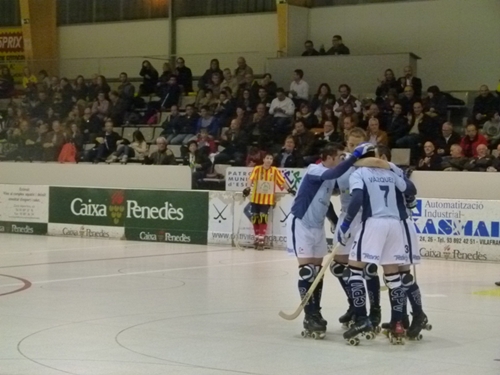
x=419 y=320
x=354 y=138
x=379 y=241
x=305 y=225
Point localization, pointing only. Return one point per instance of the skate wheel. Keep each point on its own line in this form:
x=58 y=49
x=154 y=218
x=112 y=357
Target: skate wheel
x=428 y=327
x=353 y=341
x=370 y=336
x=304 y=333
x=318 y=335
x=350 y=324
x=419 y=337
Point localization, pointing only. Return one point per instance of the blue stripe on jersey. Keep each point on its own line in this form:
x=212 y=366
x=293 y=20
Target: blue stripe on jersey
x=408 y=240
x=308 y=189
x=367 y=206
x=401 y=201
x=293 y=236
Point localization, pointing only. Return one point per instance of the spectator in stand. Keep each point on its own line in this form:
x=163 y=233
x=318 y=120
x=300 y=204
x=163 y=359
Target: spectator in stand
x=283 y=109
x=250 y=85
x=40 y=106
x=346 y=98
x=6 y=83
x=485 y=105
x=184 y=75
x=436 y=104
x=471 y=140
x=126 y=90
x=389 y=102
x=328 y=114
x=322 y=97
x=243 y=117
x=208 y=122
x=90 y=126
x=206 y=78
x=231 y=82
x=348 y=111
x=491 y=130
x=170 y=93
x=348 y=124
x=264 y=98
x=447 y=138
x=374 y=135
x=255 y=157
x=75 y=137
x=99 y=85
x=149 y=79
x=67 y=95
x=371 y=111
x=117 y=108
x=307 y=116
x=23 y=138
x=309 y=49
x=166 y=73
x=29 y=80
x=106 y=144
x=224 y=109
x=386 y=85
x=206 y=143
x=53 y=145
x=138 y=149
x=329 y=135
x=430 y=161
x=270 y=86
x=242 y=70
x=338 y=47
x=455 y=161
x=482 y=161
x=199 y=163
x=215 y=84
x=186 y=129
x=408 y=100
x=162 y=156
x=209 y=100
x=299 y=89
x=80 y=91
x=260 y=129
x=8 y=123
x=304 y=139
x=289 y=157
x=234 y=140
x=247 y=101
x=409 y=80
x=100 y=108
x=172 y=124
x=43 y=80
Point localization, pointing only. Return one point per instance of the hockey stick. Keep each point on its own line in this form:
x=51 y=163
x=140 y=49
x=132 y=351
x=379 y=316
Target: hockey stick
x=307 y=297
x=237 y=238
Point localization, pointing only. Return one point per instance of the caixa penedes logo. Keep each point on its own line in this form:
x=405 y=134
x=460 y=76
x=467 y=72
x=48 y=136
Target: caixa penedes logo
x=448 y=253
x=162 y=236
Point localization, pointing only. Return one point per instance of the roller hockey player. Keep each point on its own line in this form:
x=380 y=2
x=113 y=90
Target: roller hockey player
x=305 y=227
x=262 y=186
x=355 y=137
x=420 y=320
x=378 y=241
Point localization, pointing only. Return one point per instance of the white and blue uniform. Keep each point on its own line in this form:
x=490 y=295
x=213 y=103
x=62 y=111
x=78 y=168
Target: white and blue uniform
x=305 y=226
x=380 y=239
x=409 y=232
x=345 y=198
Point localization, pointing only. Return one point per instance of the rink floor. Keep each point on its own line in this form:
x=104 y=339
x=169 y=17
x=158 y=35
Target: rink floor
x=83 y=306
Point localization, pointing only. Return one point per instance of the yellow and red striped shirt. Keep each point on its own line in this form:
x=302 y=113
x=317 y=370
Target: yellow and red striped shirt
x=264 y=184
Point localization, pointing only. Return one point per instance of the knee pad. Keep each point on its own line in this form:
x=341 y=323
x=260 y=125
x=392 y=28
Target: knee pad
x=393 y=281
x=264 y=218
x=307 y=272
x=351 y=273
x=371 y=270
x=337 y=269
x=255 y=218
x=407 y=279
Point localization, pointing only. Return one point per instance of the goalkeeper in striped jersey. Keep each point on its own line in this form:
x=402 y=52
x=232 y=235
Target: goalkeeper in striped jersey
x=262 y=190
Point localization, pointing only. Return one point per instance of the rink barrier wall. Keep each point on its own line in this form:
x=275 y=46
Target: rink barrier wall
x=449 y=229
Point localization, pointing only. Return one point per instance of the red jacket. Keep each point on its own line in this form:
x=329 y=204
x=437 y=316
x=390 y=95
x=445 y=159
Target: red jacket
x=469 y=146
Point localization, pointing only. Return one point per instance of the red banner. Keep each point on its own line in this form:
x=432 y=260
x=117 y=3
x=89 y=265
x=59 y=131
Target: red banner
x=11 y=42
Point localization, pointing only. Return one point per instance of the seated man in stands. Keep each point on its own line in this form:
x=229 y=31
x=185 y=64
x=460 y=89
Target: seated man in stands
x=208 y=122
x=90 y=126
x=482 y=161
x=304 y=139
x=6 y=83
x=231 y=82
x=408 y=100
x=372 y=110
x=224 y=110
x=174 y=125
x=23 y=138
x=53 y=143
x=430 y=161
x=455 y=161
x=283 y=109
x=117 y=108
x=374 y=135
x=198 y=162
x=270 y=86
x=242 y=70
x=471 y=140
x=299 y=89
x=338 y=47
x=309 y=49
x=163 y=156
x=409 y=80
x=289 y=157
x=249 y=84
x=264 y=98
x=396 y=124
x=170 y=94
x=106 y=144
x=346 y=97
x=126 y=90
x=485 y=105
x=235 y=141
x=447 y=138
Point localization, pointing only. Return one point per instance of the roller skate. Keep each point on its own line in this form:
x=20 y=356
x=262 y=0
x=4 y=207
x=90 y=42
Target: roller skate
x=260 y=243
x=347 y=320
x=362 y=327
x=418 y=323
x=397 y=333
x=313 y=327
x=321 y=319
x=376 y=318
x=386 y=327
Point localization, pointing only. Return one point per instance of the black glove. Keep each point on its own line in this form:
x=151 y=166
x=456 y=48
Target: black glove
x=411 y=202
x=291 y=191
x=246 y=192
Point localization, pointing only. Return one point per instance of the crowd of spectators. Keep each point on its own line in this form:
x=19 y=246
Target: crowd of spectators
x=236 y=118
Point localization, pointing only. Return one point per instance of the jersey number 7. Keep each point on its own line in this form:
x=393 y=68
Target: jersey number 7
x=385 y=189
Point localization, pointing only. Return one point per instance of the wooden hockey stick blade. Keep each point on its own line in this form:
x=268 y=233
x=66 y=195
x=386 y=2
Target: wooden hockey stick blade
x=310 y=292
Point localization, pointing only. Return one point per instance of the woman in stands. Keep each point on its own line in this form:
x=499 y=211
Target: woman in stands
x=80 y=90
x=323 y=97
x=150 y=79
x=138 y=149
x=309 y=118
x=206 y=79
x=99 y=84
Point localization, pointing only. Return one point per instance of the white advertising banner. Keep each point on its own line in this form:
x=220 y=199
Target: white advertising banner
x=86 y=231
x=221 y=217
x=458 y=229
x=237 y=177
x=24 y=203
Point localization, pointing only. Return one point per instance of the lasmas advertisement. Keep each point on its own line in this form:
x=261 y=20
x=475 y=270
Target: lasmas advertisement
x=458 y=229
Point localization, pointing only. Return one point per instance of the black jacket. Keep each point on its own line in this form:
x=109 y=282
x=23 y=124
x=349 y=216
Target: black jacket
x=384 y=88
x=149 y=83
x=185 y=78
x=294 y=160
x=416 y=83
x=206 y=78
x=455 y=164
x=479 y=164
x=434 y=164
x=313 y=52
x=340 y=50
x=199 y=158
x=488 y=105
x=441 y=143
